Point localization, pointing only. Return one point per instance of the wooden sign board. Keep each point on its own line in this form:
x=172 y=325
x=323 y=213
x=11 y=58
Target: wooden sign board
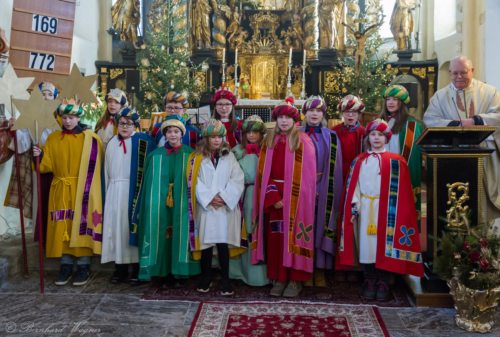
x=42 y=39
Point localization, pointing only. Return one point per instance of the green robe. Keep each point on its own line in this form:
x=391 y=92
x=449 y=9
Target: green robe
x=413 y=156
x=241 y=267
x=163 y=230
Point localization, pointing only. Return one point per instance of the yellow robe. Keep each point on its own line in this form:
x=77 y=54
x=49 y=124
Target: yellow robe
x=75 y=161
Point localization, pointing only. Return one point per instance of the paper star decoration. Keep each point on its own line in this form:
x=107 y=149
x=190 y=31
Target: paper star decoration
x=11 y=85
x=39 y=110
x=78 y=86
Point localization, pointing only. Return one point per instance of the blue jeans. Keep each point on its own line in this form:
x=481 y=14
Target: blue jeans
x=69 y=259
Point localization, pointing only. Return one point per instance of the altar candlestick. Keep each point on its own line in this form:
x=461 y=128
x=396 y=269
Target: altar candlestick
x=236 y=56
x=305 y=55
x=290 y=56
x=223 y=55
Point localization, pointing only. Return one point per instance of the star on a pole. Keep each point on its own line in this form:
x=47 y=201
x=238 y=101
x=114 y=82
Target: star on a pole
x=13 y=86
x=37 y=114
x=78 y=86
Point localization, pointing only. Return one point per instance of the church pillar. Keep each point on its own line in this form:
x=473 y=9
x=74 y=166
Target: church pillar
x=492 y=48
x=473 y=34
x=104 y=52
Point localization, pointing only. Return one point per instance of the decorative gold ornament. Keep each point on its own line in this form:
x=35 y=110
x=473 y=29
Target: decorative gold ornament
x=13 y=86
x=78 y=86
x=457 y=216
x=37 y=114
x=475 y=308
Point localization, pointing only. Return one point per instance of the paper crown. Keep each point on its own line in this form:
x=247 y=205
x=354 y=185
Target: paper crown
x=70 y=107
x=351 y=103
x=118 y=96
x=397 y=91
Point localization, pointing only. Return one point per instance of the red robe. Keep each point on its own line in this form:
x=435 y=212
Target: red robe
x=233 y=137
x=351 y=141
x=398 y=243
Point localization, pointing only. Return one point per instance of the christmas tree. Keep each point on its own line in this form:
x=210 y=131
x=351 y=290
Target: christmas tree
x=164 y=60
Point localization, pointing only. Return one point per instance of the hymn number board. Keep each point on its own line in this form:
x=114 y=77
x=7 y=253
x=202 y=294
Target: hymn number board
x=42 y=38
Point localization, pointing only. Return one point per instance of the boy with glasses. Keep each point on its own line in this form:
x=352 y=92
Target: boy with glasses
x=177 y=104
x=124 y=163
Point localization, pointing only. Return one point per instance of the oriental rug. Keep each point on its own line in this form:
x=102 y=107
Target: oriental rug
x=340 y=292
x=281 y=319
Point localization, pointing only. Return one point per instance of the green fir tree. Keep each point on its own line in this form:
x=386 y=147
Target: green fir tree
x=165 y=63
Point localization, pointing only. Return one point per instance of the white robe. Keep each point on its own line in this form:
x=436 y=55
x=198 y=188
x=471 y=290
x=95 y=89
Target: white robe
x=115 y=239
x=222 y=225
x=368 y=185
x=483 y=100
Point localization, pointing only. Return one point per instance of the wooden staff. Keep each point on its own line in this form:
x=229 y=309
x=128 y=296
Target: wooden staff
x=39 y=215
x=20 y=196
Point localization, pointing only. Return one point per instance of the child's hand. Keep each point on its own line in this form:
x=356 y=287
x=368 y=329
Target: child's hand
x=279 y=204
x=36 y=151
x=217 y=202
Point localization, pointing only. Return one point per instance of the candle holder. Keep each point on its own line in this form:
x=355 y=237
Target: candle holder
x=236 y=82
x=223 y=73
x=289 y=81
x=303 y=91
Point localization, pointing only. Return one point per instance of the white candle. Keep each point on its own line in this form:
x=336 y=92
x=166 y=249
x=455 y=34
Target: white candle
x=290 y=56
x=305 y=55
x=236 y=56
x=223 y=55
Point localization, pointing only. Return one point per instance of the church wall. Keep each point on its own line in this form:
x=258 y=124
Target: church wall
x=492 y=49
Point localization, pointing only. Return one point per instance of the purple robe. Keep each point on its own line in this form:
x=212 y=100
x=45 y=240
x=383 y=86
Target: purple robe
x=329 y=186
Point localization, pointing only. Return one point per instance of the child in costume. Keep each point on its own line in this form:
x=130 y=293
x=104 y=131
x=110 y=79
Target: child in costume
x=164 y=219
x=405 y=132
x=247 y=154
x=106 y=127
x=224 y=102
x=74 y=230
x=350 y=132
x=124 y=164
x=284 y=204
x=379 y=223
x=176 y=104
x=329 y=185
x=217 y=182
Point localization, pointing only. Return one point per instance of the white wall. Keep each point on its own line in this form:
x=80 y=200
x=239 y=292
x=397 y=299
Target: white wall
x=85 y=36
x=492 y=47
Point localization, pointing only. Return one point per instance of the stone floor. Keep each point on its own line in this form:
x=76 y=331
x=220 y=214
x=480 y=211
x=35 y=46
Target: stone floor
x=102 y=309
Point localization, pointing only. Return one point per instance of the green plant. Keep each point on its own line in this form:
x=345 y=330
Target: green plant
x=164 y=60
x=93 y=111
x=374 y=75
x=471 y=257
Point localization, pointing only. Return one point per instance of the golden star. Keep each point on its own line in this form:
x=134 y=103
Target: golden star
x=78 y=86
x=36 y=113
x=11 y=85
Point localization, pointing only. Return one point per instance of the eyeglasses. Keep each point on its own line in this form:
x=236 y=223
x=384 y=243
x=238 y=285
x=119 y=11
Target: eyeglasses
x=455 y=74
x=350 y=112
x=170 y=108
x=125 y=125
x=223 y=105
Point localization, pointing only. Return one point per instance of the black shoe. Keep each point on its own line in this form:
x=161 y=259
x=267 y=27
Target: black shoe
x=65 y=274
x=369 y=289
x=82 y=275
x=382 y=291
x=204 y=285
x=120 y=274
x=226 y=289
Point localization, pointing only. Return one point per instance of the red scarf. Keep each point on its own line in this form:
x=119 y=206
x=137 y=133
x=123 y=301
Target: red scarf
x=252 y=149
x=122 y=142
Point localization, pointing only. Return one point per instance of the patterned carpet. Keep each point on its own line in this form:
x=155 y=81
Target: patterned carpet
x=248 y=319
x=341 y=292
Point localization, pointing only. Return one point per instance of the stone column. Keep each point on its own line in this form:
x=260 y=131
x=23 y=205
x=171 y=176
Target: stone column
x=104 y=52
x=311 y=25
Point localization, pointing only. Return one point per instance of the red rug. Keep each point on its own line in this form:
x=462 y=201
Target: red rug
x=276 y=319
x=341 y=292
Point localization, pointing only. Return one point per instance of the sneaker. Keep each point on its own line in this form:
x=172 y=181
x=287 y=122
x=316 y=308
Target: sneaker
x=82 y=275
x=65 y=274
x=293 y=289
x=369 y=289
x=120 y=274
x=278 y=289
x=204 y=285
x=226 y=289
x=382 y=291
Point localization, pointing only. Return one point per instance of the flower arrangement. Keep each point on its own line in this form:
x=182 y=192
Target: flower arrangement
x=472 y=257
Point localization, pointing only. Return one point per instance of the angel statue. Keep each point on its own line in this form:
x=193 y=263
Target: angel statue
x=200 y=21
x=402 y=22
x=126 y=15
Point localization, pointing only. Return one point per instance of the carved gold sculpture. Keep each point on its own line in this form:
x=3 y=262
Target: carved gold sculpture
x=402 y=22
x=457 y=216
x=126 y=15
x=200 y=23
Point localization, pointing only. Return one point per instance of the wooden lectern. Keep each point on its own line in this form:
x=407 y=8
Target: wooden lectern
x=451 y=155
